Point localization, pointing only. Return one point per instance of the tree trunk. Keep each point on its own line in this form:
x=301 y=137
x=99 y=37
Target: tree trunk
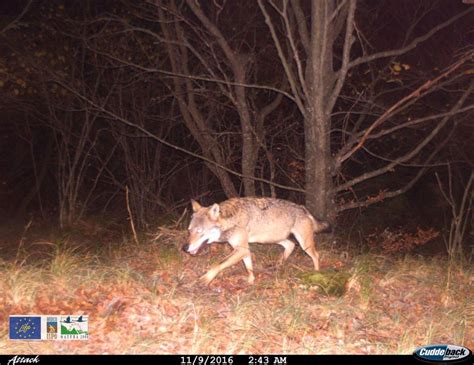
x=39 y=179
x=318 y=160
x=249 y=159
x=318 y=167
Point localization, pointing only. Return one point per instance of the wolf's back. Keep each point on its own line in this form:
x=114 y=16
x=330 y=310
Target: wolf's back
x=255 y=208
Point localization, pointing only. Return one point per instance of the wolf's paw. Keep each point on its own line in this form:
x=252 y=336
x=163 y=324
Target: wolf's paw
x=207 y=278
x=251 y=279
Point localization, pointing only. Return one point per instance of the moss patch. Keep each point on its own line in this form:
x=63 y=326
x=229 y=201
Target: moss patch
x=328 y=282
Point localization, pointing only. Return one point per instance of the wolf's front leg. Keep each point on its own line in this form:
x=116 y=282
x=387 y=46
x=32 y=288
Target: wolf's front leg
x=235 y=257
x=209 y=276
x=248 y=265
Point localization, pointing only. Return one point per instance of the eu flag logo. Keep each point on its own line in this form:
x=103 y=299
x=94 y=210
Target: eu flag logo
x=25 y=328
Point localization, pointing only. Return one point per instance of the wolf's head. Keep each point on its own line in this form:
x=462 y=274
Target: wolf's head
x=204 y=227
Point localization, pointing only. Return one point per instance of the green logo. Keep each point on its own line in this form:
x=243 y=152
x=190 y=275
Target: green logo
x=74 y=328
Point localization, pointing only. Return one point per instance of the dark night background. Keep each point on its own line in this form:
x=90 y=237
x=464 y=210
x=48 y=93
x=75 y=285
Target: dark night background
x=90 y=90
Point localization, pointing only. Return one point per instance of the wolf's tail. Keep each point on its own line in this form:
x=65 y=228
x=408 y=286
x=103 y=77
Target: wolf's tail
x=320 y=226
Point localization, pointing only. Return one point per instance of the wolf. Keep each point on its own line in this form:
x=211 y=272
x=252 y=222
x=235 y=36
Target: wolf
x=240 y=221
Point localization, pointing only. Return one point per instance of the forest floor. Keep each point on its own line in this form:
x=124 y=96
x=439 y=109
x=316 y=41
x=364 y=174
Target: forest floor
x=144 y=298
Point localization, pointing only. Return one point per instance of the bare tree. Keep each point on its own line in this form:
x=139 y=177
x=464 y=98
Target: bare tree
x=147 y=170
x=316 y=49
x=460 y=215
x=187 y=97
x=230 y=65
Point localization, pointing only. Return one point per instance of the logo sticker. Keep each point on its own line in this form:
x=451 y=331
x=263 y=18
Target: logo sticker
x=442 y=353
x=25 y=327
x=74 y=328
x=52 y=328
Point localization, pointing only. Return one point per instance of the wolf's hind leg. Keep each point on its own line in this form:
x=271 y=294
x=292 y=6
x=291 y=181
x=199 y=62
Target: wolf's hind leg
x=289 y=247
x=311 y=251
x=304 y=235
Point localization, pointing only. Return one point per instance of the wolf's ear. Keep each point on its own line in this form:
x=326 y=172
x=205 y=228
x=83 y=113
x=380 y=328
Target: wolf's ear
x=196 y=205
x=214 y=212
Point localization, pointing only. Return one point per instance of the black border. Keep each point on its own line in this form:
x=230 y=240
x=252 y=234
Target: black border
x=224 y=359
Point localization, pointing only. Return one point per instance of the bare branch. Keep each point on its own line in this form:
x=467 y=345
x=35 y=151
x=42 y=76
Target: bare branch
x=413 y=95
x=147 y=133
x=392 y=194
x=298 y=98
x=411 y=153
x=411 y=123
x=294 y=49
x=192 y=77
x=228 y=51
x=412 y=45
x=17 y=19
x=348 y=41
x=301 y=23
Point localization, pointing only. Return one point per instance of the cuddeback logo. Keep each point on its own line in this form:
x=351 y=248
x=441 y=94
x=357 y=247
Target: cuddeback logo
x=442 y=353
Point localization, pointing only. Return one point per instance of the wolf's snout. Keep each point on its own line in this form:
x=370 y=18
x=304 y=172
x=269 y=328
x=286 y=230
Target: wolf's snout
x=187 y=248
